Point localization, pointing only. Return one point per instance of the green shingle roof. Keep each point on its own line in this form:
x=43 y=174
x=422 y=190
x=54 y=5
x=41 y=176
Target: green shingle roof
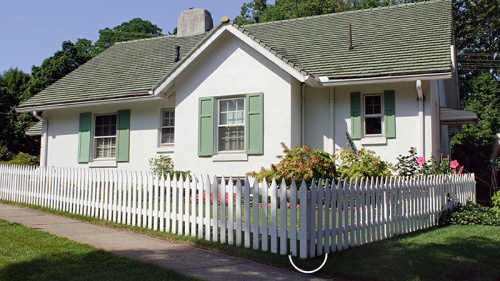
x=35 y=130
x=127 y=69
x=398 y=40
x=390 y=41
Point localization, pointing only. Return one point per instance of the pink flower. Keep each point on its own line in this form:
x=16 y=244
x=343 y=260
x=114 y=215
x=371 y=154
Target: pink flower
x=461 y=170
x=420 y=161
x=454 y=164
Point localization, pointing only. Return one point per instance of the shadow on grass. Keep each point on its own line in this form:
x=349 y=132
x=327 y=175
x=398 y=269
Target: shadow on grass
x=451 y=253
x=94 y=265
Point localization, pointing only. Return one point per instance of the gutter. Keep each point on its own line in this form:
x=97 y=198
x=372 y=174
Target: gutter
x=86 y=103
x=326 y=81
x=45 y=139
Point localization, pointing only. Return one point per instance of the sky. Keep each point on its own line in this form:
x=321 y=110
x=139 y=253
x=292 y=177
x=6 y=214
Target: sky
x=33 y=30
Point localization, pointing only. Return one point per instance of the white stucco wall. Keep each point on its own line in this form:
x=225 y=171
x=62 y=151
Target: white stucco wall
x=233 y=69
x=319 y=123
x=144 y=124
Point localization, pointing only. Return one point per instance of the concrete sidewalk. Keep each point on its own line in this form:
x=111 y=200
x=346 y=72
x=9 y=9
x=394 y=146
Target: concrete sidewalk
x=185 y=259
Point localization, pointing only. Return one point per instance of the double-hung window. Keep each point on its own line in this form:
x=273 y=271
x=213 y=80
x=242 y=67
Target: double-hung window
x=231 y=124
x=231 y=127
x=105 y=136
x=167 y=126
x=373 y=114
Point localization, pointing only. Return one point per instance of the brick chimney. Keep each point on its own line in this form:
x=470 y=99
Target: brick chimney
x=193 y=22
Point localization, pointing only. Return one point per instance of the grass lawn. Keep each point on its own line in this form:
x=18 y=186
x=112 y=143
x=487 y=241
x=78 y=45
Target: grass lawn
x=448 y=253
x=28 y=254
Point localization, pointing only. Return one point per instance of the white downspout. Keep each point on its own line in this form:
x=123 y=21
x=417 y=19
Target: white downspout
x=303 y=115
x=421 y=118
x=44 y=140
x=332 y=120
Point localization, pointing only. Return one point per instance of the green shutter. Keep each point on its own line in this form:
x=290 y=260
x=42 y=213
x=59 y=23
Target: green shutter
x=356 y=116
x=389 y=114
x=84 y=137
x=122 y=135
x=206 y=126
x=255 y=124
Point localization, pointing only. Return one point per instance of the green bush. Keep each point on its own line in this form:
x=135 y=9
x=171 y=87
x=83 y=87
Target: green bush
x=164 y=165
x=362 y=164
x=471 y=214
x=495 y=200
x=299 y=164
x=411 y=165
x=23 y=159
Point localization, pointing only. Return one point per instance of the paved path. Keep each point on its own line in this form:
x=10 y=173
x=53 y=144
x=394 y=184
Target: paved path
x=185 y=259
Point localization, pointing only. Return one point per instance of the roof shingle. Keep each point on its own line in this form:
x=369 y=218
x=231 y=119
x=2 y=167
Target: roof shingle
x=390 y=41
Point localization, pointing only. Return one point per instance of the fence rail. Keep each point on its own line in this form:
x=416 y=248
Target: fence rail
x=303 y=221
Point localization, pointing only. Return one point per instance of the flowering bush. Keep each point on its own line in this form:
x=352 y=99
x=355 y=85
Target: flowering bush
x=412 y=165
x=362 y=164
x=299 y=164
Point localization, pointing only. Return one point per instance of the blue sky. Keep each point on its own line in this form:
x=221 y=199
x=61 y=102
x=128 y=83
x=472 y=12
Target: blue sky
x=33 y=30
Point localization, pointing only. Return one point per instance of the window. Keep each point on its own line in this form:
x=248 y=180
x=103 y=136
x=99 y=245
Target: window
x=167 y=126
x=105 y=136
x=231 y=127
x=373 y=114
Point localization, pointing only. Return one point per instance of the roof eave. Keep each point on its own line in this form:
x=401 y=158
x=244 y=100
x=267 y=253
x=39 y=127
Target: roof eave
x=86 y=103
x=329 y=82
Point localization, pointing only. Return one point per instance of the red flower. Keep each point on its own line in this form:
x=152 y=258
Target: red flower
x=454 y=164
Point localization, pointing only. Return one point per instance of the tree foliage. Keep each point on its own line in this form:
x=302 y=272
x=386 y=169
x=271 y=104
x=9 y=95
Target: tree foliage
x=13 y=140
x=132 y=30
x=17 y=86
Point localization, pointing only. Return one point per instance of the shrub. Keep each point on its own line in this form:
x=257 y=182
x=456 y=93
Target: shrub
x=411 y=165
x=23 y=159
x=495 y=200
x=362 y=164
x=299 y=164
x=471 y=214
x=164 y=165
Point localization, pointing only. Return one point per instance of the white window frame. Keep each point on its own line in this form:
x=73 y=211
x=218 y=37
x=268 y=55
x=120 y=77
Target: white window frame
x=163 y=126
x=95 y=138
x=380 y=115
x=217 y=132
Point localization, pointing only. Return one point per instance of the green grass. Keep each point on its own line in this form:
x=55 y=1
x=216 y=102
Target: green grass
x=449 y=253
x=28 y=254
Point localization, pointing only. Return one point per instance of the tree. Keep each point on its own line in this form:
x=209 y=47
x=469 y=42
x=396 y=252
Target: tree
x=60 y=64
x=13 y=125
x=477 y=28
x=131 y=30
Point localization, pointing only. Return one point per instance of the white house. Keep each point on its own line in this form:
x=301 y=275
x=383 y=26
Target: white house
x=220 y=100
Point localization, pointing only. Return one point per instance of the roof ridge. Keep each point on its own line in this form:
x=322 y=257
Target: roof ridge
x=144 y=39
x=347 y=12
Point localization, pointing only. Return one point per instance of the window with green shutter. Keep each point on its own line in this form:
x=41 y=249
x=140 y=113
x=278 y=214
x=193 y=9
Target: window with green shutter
x=373 y=115
x=356 y=116
x=389 y=114
x=84 y=137
x=206 y=126
x=122 y=135
x=234 y=124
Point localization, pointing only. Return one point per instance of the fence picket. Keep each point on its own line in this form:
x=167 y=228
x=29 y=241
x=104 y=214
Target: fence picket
x=328 y=217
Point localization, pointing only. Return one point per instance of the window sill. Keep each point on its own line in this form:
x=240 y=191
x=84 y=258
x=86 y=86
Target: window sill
x=230 y=157
x=103 y=164
x=165 y=149
x=373 y=141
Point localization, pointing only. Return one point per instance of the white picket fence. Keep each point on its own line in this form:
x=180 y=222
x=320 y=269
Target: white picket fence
x=298 y=220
